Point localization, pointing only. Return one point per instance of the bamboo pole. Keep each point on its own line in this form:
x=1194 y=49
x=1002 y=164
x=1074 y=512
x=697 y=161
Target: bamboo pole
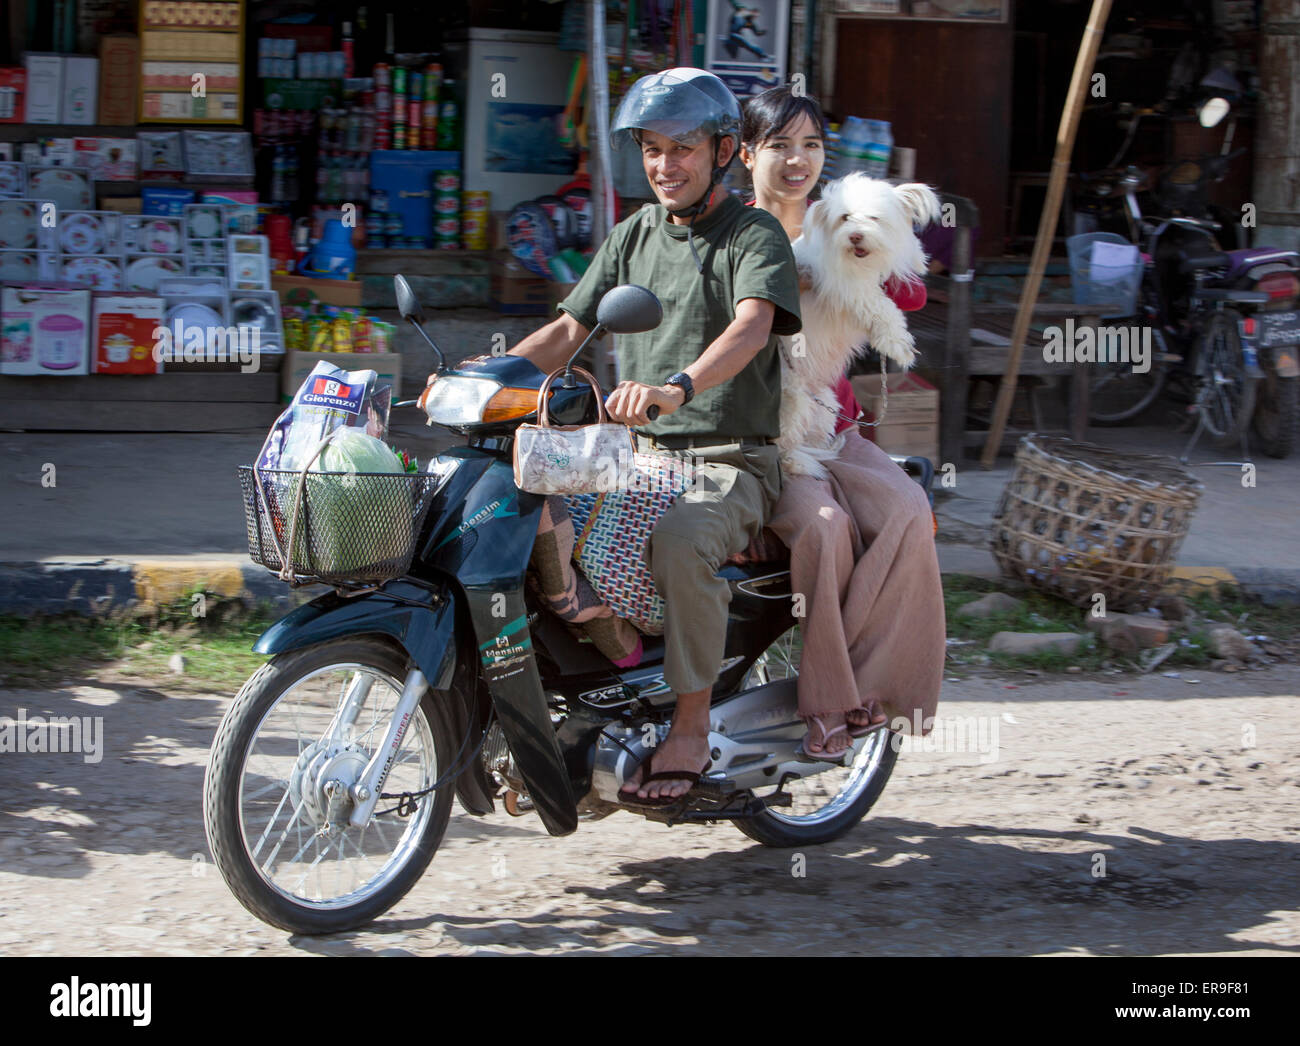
x=1074 y=100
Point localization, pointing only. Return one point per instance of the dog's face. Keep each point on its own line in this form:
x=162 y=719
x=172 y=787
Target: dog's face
x=866 y=224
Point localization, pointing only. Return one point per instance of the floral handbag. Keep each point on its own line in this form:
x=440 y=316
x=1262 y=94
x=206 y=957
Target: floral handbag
x=570 y=459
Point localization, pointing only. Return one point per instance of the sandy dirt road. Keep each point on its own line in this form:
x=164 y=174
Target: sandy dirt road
x=1187 y=794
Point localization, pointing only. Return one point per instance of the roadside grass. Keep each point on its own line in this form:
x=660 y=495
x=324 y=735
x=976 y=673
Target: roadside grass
x=217 y=652
x=1042 y=613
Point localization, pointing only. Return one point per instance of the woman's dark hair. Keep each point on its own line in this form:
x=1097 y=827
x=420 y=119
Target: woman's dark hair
x=765 y=115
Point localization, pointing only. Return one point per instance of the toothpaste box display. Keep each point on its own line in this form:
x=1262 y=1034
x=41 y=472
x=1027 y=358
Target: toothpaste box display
x=80 y=89
x=44 y=87
x=13 y=91
x=123 y=333
x=44 y=330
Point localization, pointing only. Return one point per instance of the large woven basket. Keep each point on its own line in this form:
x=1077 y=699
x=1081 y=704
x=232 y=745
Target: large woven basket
x=1078 y=519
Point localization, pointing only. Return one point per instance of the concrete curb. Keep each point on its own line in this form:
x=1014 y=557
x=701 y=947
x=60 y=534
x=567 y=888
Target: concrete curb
x=98 y=586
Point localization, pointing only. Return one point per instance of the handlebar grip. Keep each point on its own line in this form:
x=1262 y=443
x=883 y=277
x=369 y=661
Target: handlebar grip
x=652 y=412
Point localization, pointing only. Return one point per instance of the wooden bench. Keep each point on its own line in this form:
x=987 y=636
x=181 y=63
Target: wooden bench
x=943 y=337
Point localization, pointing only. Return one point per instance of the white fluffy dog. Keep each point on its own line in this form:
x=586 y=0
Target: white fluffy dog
x=855 y=238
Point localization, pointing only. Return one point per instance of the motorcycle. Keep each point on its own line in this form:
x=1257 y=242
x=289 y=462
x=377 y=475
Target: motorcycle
x=1223 y=322
x=331 y=778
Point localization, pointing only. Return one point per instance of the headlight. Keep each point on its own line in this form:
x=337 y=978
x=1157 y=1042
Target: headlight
x=456 y=400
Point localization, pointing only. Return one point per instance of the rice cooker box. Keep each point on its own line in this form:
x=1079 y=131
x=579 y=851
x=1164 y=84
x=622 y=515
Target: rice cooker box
x=122 y=339
x=44 y=330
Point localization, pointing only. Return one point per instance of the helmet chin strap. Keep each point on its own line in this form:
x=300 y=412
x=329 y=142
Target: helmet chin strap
x=700 y=205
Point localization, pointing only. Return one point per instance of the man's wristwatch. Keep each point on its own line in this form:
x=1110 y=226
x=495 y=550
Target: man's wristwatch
x=683 y=381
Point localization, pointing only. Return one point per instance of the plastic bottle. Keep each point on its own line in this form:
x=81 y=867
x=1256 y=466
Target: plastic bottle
x=448 y=116
x=879 y=148
x=855 y=138
x=348 y=64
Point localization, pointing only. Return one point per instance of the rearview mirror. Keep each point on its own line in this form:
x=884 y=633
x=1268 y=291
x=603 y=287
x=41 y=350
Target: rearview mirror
x=629 y=309
x=407 y=303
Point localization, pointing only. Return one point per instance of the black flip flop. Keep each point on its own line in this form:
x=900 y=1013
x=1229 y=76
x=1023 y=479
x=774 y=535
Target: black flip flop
x=634 y=800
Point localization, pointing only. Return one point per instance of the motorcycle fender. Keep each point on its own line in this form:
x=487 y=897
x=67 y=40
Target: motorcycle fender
x=487 y=552
x=426 y=633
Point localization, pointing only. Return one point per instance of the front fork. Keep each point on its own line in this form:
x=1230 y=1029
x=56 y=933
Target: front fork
x=365 y=793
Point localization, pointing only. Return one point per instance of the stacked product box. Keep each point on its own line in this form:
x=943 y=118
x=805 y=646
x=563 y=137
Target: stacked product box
x=910 y=424
x=45 y=330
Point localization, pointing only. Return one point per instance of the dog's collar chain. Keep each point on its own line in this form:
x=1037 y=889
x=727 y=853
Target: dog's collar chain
x=884 y=394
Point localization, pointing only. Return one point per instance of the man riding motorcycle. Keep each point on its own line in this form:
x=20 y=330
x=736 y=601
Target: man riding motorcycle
x=711 y=368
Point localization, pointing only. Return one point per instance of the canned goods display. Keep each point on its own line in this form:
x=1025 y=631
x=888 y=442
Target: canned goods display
x=446 y=181
x=399 y=79
x=446 y=204
x=473 y=200
x=448 y=226
x=383 y=75
x=413 y=116
x=474 y=231
x=432 y=80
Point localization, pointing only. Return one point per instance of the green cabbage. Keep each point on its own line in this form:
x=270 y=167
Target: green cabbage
x=356 y=521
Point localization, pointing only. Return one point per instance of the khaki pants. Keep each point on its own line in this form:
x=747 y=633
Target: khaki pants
x=735 y=491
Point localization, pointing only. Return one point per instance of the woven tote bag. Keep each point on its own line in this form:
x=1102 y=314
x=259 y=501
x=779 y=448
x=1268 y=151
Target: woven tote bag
x=611 y=532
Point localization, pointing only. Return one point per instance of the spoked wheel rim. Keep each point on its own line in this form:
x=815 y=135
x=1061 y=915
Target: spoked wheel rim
x=289 y=758
x=824 y=796
x=1118 y=393
x=1224 y=390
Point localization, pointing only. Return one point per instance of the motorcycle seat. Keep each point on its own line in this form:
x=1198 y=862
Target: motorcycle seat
x=1204 y=260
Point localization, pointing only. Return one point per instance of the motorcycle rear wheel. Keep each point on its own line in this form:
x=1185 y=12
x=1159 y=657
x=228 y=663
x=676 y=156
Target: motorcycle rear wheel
x=258 y=799
x=828 y=804
x=1227 y=394
x=1276 y=422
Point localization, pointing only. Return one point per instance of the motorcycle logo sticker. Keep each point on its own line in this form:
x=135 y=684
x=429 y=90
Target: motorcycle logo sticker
x=506 y=649
x=497 y=509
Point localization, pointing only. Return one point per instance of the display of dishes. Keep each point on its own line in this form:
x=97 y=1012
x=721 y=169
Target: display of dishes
x=19 y=224
x=12 y=181
x=82 y=234
x=16 y=266
x=103 y=274
x=68 y=187
x=147 y=235
x=143 y=274
x=203 y=223
x=252 y=312
x=160 y=237
x=192 y=314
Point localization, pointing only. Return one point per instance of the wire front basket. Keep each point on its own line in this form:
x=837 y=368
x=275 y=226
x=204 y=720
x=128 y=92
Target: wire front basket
x=350 y=527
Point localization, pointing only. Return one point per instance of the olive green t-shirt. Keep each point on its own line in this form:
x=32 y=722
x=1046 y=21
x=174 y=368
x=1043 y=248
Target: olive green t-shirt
x=746 y=254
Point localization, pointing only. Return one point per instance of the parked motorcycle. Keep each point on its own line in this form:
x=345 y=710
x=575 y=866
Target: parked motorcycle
x=331 y=778
x=1223 y=322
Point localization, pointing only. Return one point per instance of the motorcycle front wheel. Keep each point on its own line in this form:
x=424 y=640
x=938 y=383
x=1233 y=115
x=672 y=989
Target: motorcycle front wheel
x=825 y=805
x=276 y=818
